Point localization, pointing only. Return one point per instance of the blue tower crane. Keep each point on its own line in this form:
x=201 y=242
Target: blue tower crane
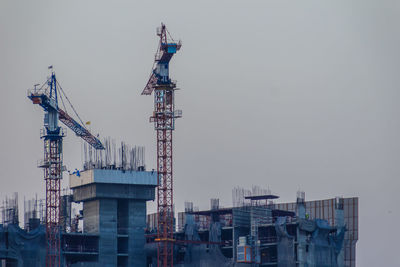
x=47 y=97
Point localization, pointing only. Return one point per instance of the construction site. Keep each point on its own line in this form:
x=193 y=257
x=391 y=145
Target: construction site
x=102 y=219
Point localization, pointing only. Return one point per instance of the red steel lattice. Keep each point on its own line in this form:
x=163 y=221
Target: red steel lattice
x=53 y=175
x=164 y=124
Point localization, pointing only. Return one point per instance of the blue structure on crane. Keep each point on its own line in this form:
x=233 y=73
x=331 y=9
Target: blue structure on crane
x=48 y=100
x=160 y=73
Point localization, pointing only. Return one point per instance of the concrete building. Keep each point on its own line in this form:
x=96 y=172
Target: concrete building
x=114 y=209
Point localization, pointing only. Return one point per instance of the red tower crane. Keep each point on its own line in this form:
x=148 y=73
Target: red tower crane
x=164 y=116
x=47 y=97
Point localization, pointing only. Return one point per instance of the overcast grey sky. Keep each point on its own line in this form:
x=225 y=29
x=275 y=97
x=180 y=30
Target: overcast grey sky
x=286 y=94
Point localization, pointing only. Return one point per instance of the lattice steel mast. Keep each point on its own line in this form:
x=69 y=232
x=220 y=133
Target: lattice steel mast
x=164 y=116
x=52 y=134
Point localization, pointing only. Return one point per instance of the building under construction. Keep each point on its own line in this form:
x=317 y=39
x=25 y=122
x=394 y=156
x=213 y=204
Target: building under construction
x=113 y=229
x=258 y=231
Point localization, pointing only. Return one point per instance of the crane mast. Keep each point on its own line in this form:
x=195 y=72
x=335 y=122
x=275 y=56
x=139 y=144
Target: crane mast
x=52 y=135
x=164 y=116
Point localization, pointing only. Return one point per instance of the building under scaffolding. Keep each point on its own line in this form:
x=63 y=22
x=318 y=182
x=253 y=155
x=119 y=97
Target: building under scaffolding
x=256 y=231
x=110 y=227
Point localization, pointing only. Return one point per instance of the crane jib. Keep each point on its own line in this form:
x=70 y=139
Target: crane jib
x=79 y=130
x=47 y=104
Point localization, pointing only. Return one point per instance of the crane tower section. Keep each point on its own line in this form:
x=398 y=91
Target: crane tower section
x=164 y=116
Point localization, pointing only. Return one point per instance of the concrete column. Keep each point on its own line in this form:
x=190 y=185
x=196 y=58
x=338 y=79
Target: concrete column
x=91 y=216
x=136 y=239
x=339 y=222
x=108 y=233
x=301 y=248
x=301 y=237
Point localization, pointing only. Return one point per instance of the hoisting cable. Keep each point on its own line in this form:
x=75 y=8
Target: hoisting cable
x=62 y=101
x=76 y=113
